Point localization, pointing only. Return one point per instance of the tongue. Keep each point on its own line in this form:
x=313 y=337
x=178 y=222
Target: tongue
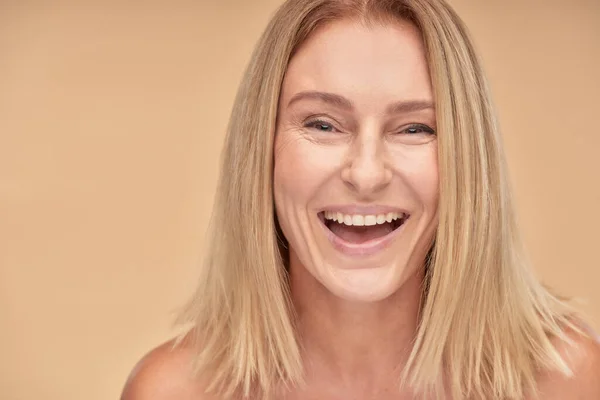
x=360 y=234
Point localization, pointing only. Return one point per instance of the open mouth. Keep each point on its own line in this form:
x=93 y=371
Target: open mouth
x=358 y=229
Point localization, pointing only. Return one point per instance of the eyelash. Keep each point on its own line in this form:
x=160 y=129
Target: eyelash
x=426 y=129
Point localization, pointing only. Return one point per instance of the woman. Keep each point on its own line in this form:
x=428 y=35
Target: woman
x=363 y=242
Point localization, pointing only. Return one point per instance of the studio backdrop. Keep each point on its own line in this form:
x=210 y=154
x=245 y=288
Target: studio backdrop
x=112 y=115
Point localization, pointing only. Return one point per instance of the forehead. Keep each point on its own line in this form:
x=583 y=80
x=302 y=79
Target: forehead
x=364 y=63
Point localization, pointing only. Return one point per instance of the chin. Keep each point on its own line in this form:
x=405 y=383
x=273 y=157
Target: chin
x=371 y=284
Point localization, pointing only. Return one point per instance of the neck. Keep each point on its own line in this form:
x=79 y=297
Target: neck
x=349 y=341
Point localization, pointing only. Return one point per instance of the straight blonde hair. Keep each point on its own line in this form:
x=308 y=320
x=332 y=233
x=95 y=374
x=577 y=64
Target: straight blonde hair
x=486 y=323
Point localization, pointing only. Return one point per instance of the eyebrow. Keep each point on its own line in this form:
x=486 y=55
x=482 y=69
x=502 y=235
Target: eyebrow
x=404 y=106
x=331 y=98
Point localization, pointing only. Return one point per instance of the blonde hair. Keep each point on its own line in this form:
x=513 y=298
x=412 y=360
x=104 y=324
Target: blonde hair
x=486 y=322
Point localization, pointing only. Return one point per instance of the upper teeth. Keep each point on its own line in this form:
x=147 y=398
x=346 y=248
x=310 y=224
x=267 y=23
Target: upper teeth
x=362 y=220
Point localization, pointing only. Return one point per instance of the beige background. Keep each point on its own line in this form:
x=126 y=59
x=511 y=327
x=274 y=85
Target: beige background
x=111 y=120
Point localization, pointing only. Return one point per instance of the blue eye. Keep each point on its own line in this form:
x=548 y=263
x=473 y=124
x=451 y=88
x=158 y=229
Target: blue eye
x=418 y=129
x=320 y=125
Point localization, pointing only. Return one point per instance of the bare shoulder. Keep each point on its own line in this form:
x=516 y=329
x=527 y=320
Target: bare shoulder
x=164 y=373
x=583 y=357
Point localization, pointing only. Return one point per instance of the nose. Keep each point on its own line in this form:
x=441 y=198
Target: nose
x=367 y=171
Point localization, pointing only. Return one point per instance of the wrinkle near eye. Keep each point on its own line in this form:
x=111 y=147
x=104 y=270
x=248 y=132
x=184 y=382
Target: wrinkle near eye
x=286 y=138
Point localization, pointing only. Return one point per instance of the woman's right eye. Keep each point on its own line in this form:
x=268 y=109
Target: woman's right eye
x=320 y=125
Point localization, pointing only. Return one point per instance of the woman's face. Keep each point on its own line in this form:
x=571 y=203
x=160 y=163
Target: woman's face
x=356 y=177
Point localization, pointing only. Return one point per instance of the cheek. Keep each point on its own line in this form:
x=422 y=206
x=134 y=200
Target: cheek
x=419 y=168
x=428 y=183
x=297 y=180
x=292 y=179
x=301 y=169
x=290 y=172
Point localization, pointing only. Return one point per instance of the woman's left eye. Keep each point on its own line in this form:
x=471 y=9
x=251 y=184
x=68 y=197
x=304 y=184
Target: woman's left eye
x=417 y=129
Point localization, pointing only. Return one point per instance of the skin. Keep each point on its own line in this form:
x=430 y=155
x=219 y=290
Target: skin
x=357 y=315
x=359 y=154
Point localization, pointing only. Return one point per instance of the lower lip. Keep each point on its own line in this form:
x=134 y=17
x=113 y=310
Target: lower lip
x=364 y=249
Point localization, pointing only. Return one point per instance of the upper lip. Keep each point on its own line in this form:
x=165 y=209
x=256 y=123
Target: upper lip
x=356 y=209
